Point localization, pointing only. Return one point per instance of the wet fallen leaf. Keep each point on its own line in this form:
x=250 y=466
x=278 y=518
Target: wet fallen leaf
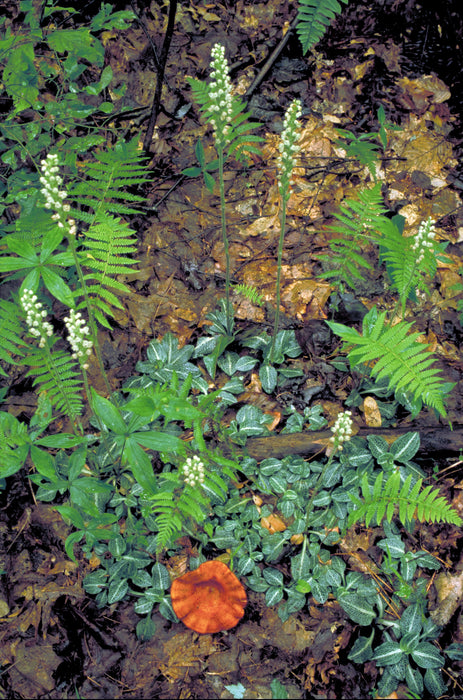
x=449 y=596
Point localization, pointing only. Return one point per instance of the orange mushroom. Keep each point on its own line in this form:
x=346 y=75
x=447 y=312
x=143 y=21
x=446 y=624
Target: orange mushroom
x=209 y=599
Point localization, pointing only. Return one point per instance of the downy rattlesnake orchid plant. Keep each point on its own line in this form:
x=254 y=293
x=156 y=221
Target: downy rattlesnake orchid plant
x=285 y=163
x=231 y=126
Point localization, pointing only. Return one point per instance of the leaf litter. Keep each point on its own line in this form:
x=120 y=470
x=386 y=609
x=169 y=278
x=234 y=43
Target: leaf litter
x=44 y=644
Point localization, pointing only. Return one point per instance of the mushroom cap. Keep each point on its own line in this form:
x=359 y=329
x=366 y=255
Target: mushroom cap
x=209 y=599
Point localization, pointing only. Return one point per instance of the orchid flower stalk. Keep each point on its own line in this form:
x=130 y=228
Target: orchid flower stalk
x=285 y=163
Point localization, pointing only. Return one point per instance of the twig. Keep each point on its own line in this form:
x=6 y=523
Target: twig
x=160 y=77
x=271 y=60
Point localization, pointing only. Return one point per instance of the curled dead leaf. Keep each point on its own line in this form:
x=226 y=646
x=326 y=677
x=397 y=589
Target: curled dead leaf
x=273 y=523
x=372 y=415
x=449 y=595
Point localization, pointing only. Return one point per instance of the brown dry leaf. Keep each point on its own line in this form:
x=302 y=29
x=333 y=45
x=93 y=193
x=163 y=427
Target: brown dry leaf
x=32 y=672
x=273 y=523
x=186 y=654
x=266 y=226
x=390 y=53
x=41 y=599
x=449 y=596
x=372 y=414
x=428 y=152
x=420 y=93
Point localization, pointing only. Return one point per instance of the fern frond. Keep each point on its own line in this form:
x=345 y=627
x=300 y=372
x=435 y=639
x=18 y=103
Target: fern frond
x=398 y=356
x=382 y=501
x=360 y=220
x=250 y=293
x=313 y=19
x=240 y=140
x=11 y=334
x=172 y=511
x=401 y=265
x=346 y=263
x=405 y=273
x=107 y=247
x=55 y=373
x=103 y=188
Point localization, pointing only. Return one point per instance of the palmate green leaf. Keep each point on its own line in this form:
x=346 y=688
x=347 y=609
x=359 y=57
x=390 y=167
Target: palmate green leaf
x=397 y=356
x=140 y=464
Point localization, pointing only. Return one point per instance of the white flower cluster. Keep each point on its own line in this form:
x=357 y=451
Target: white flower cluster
x=424 y=238
x=342 y=429
x=220 y=95
x=78 y=337
x=35 y=314
x=52 y=190
x=288 y=147
x=194 y=471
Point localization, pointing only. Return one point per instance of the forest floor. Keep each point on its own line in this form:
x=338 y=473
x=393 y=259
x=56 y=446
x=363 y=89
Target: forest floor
x=56 y=643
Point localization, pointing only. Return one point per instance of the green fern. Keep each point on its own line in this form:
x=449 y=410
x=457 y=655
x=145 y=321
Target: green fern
x=382 y=500
x=105 y=182
x=399 y=357
x=360 y=221
x=313 y=19
x=240 y=141
x=250 y=293
x=178 y=505
x=106 y=250
x=11 y=340
x=56 y=374
x=362 y=148
x=405 y=272
x=173 y=510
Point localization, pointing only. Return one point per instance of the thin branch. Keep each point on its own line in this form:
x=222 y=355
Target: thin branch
x=160 y=77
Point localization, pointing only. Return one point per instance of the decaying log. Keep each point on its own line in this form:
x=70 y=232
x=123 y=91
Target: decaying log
x=433 y=440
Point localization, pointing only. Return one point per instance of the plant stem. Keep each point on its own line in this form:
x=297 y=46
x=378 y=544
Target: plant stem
x=225 y=239
x=278 y=292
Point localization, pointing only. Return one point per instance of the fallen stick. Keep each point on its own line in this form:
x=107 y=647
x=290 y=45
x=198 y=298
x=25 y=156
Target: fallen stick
x=433 y=440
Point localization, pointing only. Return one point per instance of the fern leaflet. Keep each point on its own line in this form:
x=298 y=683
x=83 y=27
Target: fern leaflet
x=11 y=335
x=406 y=271
x=413 y=502
x=313 y=19
x=105 y=182
x=106 y=252
x=250 y=293
x=240 y=141
x=55 y=373
x=399 y=357
x=360 y=220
